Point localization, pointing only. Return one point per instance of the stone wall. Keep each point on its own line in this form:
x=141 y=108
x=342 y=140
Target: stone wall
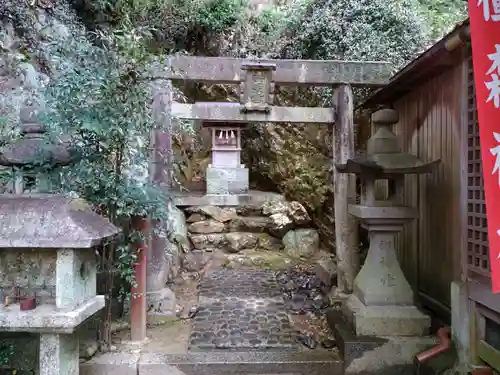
x=272 y=234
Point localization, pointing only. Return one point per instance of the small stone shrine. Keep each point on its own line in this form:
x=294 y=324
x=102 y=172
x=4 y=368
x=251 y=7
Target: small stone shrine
x=382 y=303
x=48 y=264
x=226 y=174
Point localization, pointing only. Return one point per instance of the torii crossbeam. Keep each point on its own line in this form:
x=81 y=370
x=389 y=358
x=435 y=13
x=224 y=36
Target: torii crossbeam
x=257 y=80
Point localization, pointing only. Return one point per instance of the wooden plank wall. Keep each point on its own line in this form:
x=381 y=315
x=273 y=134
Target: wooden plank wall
x=430 y=127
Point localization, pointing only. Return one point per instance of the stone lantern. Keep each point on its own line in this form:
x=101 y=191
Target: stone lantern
x=48 y=271
x=226 y=174
x=48 y=262
x=382 y=303
x=33 y=149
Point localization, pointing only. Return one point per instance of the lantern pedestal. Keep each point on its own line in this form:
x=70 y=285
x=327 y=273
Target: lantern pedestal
x=382 y=303
x=391 y=320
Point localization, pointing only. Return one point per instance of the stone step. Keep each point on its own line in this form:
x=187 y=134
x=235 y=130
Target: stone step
x=254 y=363
x=372 y=355
x=251 y=202
x=314 y=362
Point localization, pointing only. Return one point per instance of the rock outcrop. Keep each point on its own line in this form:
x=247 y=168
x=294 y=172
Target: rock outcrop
x=26 y=32
x=177 y=242
x=296 y=160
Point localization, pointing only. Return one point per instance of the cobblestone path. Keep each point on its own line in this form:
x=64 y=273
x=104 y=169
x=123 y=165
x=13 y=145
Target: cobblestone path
x=241 y=310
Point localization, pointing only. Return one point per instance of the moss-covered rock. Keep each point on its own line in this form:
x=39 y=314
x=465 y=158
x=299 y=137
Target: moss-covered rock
x=301 y=243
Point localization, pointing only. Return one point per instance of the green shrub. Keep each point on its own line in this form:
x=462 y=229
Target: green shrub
x=217 y=16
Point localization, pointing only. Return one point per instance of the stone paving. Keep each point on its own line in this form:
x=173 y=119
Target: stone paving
x=241 y=310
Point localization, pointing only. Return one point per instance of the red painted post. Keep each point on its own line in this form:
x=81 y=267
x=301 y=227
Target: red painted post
x=138 y=311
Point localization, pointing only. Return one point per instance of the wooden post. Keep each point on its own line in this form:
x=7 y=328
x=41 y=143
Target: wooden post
x=160 y=174
x=344 y=185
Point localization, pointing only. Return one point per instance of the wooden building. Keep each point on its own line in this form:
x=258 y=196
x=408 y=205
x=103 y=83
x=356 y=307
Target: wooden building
x=445 y=253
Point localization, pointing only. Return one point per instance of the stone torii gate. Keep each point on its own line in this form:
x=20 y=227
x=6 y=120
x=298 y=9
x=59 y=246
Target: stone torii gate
x=257 y=80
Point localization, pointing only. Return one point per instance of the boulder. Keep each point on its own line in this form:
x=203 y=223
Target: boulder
x=219 y=214
x=88 y=347
x=208 y=241
x=193 y=218
x=247 y=210
x=237 y=241
x=294 y=210
x=255 y=224
x=177 y=228
x=280 y=224
x=301 y=243
x=177 y=241
x=226 y=214
x=267 y=242
x=206 y=226
x=264 y=260
x=259 y=199
x=173 y=253
x=160 y=304
x=298 y=213
x=275 y=207
x=326 y=270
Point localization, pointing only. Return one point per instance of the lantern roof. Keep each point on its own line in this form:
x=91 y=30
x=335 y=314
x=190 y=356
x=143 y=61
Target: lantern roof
x=383 y=155
x=33 y=148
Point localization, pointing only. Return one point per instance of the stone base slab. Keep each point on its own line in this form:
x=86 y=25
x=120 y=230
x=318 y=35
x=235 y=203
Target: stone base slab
x=120 y=363
x=215 y=362
x=254 y=199
x=385 y=320
x=227 y=180
x=48 y=318
x=376 y=355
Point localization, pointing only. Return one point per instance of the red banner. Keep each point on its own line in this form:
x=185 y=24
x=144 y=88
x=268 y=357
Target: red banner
x=485 y=36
